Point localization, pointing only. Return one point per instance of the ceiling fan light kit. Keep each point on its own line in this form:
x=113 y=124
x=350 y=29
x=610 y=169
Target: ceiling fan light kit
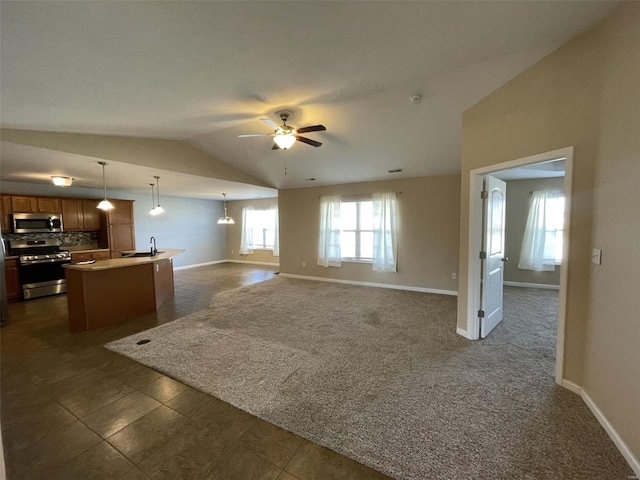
x=284 y=136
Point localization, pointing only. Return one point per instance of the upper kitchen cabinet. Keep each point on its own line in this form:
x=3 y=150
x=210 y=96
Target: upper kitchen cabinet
x=49 y=205
x=23 y=204
x=80 y=214
x=5 y=213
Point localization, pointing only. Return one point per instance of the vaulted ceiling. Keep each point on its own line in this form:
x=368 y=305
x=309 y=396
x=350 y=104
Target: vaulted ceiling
x=205 y=72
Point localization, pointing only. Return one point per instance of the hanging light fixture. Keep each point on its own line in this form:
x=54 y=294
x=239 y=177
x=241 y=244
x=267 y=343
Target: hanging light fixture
x=153 y=201
x=157 y=210
x=62 y=181
x=104 y=204
x=225 y=220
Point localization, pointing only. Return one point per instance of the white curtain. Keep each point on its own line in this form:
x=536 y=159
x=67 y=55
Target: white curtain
x=538 y=243
x=246 y=234
x=385 y=244
x=276 y=235
x=329 y=254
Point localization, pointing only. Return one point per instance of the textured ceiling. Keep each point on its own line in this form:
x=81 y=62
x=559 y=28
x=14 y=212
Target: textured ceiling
x=205 y=72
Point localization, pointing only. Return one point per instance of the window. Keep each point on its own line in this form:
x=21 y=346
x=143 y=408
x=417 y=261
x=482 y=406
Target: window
x=356 y=233
x=542 y=242
x=554 y=226
x=359 y=230
x=259 y=230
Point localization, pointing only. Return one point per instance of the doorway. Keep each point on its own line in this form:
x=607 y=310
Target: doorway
x=475 y=243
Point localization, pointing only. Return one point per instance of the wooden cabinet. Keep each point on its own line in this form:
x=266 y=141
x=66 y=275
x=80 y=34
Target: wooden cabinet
x=80 y=214
x=12 y=277
x=86 y=256
x=24 y=204
x=48 y=205
x=5 y=213
x=120 y=229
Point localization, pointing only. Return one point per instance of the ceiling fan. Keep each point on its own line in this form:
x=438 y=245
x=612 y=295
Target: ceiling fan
x=285 y=135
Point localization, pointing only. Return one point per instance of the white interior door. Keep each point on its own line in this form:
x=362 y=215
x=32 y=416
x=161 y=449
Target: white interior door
x=493 y=254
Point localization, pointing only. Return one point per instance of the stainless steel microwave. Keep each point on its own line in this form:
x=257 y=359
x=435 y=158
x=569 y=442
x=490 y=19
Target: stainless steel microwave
x=37 y=222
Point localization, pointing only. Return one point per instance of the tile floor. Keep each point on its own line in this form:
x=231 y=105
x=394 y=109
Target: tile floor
x=73 y=410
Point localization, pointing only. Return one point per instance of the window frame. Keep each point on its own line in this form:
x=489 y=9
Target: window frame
x=263 y=245
x=358 y=200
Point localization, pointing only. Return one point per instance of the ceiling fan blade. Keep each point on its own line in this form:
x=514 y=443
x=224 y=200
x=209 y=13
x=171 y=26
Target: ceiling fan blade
x=314 y=128
x=308 y=141
x=254 y=135
x=275 y=147
x=270 y=122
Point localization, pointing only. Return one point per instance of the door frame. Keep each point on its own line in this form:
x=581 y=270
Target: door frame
x=475 y=237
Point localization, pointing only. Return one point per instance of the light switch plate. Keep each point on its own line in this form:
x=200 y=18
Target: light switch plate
x=596 y=256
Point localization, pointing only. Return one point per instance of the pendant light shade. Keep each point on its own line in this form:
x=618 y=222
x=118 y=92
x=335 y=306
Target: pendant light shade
x=225 y=220
x=104 y=204
x=153 y=200
x=157 y=210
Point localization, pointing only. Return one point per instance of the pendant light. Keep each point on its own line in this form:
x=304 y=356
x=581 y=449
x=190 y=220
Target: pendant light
x=104 y=204
x=157 y=210
x=225 y=220
x=153 y=200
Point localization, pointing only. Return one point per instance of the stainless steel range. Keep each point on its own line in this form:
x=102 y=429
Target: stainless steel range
x=41 y=262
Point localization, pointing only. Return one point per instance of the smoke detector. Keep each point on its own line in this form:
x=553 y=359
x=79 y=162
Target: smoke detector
x=415 y=98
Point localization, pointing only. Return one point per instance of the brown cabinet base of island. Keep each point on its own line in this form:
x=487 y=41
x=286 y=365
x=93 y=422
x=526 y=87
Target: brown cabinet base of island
x=97 y=298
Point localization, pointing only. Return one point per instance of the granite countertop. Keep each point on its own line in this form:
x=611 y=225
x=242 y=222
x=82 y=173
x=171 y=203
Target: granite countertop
x=164 y=253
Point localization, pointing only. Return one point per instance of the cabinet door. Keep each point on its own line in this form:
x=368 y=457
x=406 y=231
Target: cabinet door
x=91 y=214
x=12 y=277
x=5 y=213
x=48 y=205
x=121 y=237
x=122 y=213
x=71 y=214
x=24 y=204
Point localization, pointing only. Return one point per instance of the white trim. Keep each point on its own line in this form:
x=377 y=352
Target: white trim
x=253 y=263
x=464 y=333
x=372 y=284
x=471 y=323
x=199 y=265
x=622 y=447
x=532 y=285
x=617 y=440
x=573 y=387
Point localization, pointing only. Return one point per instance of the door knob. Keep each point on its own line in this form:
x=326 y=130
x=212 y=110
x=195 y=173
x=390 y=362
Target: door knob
x=505 y=259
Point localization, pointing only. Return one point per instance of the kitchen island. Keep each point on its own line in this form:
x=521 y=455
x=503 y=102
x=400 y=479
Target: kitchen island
x=104 y=292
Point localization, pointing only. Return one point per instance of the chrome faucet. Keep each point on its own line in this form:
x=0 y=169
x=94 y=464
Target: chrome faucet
x=154 y=248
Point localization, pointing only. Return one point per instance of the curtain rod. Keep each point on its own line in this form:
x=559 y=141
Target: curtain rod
x=359 y=194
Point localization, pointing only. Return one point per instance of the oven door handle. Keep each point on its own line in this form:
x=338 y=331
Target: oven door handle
x=46 y=260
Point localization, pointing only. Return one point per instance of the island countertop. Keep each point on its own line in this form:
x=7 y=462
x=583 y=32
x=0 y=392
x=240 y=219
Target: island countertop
x=163 y=253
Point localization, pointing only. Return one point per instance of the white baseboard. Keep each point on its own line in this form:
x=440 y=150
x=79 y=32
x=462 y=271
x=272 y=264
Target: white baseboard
x=276 y=264
x=372 y=284
x=532 y=285
x=613 y=434
x=200 y=264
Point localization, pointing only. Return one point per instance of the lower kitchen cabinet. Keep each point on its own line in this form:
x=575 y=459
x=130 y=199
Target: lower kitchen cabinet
x=12 y=276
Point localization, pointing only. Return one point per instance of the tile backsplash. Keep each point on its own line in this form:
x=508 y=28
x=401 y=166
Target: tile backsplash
x=67 y=239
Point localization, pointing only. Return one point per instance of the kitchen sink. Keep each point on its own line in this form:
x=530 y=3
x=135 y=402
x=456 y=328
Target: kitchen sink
x=140 y=254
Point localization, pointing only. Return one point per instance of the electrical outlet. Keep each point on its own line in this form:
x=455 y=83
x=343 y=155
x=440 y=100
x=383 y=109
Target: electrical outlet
x=304 y=264
x=233 y=251
x=454 y=276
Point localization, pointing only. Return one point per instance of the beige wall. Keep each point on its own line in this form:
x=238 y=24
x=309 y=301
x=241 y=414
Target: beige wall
x=428 y=232
x=612 y=360
x=234 y=209
x=518 y=202
x=585 y=95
